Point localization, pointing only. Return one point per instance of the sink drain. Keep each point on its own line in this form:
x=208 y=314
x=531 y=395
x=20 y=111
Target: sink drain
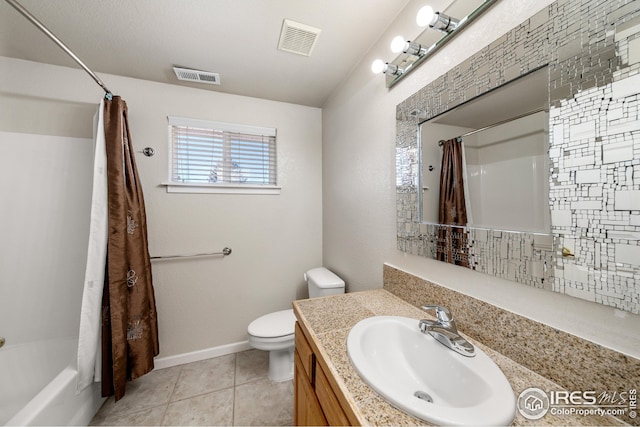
x=423 y=396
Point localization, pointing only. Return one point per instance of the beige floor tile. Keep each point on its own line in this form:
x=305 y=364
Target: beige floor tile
x=146 y=417
x=211 y=409
x=264 y=403
x=205 y=376
x=203 y=393
x=151 y=390
x=252 y=365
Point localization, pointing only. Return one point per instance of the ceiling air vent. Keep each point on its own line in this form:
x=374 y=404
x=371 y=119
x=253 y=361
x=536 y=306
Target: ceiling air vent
x=197 y=76
x=298 y=38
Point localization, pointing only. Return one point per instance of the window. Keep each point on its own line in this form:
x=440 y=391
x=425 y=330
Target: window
x=221 y=157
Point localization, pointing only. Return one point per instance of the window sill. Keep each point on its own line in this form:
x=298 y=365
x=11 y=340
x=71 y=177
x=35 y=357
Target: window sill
x=176 y=187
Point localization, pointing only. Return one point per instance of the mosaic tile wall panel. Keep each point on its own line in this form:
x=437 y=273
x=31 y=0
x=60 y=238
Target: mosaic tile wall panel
x=521 y=257
x=595 y=196
x=592 y=51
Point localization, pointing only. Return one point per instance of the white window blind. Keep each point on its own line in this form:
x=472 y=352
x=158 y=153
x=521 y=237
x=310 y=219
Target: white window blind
x=213 y=154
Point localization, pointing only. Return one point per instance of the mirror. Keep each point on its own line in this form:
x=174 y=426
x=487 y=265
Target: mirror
x=504 y=136
x=591 y=56
x=463 y=10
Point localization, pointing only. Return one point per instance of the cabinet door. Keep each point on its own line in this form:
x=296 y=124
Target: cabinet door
x=328 y=400
x=306 y=354
x=307 y=411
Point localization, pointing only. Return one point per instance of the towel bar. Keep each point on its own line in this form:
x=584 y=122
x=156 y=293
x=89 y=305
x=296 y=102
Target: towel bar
x=225 y=252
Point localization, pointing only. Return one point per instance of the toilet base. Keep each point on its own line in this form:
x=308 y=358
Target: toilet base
x=281 y=365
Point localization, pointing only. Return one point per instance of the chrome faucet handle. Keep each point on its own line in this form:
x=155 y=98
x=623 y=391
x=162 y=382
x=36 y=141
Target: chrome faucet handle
x=445 y=331
x=442 y=313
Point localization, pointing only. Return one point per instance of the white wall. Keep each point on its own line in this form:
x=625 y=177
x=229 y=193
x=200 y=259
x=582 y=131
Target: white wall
x=208 y=302
x=359 y=144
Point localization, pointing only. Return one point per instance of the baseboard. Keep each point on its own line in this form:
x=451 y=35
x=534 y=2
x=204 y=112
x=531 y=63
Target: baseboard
x=195 y=356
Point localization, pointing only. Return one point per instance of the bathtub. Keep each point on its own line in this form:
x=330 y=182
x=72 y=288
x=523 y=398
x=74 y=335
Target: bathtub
x=38 y=385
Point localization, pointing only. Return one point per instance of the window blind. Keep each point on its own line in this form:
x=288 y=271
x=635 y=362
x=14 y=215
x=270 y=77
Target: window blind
x=216 y=153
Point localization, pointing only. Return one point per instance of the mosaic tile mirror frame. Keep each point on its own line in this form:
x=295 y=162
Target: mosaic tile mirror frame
x=592 y=51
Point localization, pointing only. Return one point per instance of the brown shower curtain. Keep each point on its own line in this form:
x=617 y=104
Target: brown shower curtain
x=129 y=324
x=452 y=241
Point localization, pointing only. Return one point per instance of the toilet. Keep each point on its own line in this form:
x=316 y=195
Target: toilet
x=274 y=332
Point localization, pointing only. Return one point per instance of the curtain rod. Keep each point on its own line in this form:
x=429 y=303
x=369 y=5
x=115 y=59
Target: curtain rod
x=24 y=12
x=528 y=113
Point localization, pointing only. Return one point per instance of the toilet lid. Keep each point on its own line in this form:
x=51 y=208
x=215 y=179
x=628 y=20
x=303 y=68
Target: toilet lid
x=277 y=324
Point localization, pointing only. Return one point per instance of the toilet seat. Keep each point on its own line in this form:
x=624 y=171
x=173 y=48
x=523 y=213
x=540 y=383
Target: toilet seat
x=280 y=324
x=275 y=333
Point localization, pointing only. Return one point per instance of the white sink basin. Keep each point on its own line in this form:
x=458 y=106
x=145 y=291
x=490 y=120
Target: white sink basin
x=408 y=368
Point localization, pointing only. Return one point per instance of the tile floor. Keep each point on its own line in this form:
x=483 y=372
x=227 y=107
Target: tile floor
x=228 y=390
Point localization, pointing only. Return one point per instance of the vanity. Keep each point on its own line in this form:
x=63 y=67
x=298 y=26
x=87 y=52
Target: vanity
x=328 y=390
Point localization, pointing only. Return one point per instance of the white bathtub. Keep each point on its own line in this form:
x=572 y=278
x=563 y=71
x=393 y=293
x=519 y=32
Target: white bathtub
x=42 y=264
x=38 y=385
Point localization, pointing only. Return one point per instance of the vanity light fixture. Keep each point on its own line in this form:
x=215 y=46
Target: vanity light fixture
x=379 y=66
x=398 y=44
x=411 y=54
x=426 y=16
x=436 y=20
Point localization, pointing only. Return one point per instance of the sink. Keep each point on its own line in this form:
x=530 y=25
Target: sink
x=417 y=374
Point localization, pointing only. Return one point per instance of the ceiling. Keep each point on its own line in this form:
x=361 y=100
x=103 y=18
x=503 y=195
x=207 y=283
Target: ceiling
x=238 y=39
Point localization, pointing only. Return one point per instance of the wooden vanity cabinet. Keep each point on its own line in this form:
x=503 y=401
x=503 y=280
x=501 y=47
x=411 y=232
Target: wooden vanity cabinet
x=316 y=403
x=307 y=411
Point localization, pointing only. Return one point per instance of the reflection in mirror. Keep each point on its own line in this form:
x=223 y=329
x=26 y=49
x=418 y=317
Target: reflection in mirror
x=593 y=248
x=505 y=160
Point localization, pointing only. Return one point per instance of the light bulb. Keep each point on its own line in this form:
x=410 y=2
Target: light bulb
x=425 y=16
x=397 y=44
x=377 y=66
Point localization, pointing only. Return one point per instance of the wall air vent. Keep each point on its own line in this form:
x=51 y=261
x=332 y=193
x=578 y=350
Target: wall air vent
x=298 y=38
x=197 y=76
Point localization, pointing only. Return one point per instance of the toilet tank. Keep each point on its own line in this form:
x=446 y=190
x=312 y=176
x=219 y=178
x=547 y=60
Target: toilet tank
x=322 y=282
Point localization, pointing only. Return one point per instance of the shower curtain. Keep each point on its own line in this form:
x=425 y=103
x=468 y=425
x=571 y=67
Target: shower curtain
x=129 y=324
x=126 y=318
x=89 y=335
x=452 y=237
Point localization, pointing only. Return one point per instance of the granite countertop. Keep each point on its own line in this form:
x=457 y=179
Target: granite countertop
x=328 y=321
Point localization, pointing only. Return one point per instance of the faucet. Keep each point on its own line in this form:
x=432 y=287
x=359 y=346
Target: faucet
x=444 y=331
